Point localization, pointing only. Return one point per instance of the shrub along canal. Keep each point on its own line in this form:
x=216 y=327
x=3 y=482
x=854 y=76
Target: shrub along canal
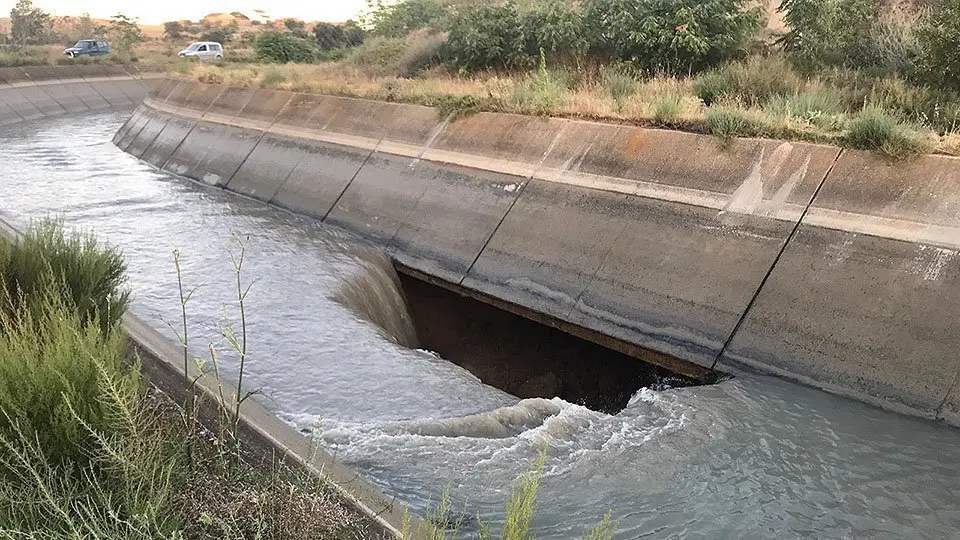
x=333 y=348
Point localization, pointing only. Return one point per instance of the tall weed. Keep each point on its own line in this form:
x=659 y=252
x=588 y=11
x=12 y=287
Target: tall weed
x=876 y=129
x=90 y=276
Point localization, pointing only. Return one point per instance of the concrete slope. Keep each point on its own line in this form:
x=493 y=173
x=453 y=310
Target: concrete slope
x=656 y=243
x=30 y=93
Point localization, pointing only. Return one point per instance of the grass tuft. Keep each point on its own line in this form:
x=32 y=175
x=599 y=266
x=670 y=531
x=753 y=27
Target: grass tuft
x=667 y=111
x=728 y=123
x=876 y=129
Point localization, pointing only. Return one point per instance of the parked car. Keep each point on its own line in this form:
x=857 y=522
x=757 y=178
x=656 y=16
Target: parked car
x=88 y=47
x=204 y=50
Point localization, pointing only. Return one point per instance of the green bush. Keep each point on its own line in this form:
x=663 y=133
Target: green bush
x=487 y=36
x=540 y=92
x=379 y=54
x=90 y=277
x=728 y=123
x=673 y=37
x=54 y=369
x=621 y=85
x=820 y=108
x=891 y=47
x=398 y=19
x=711 y=86
x=60 y=342
x=876 y=129
x=421 y=53
x=938 y=35
x=331 y=37
x=282 y=48
x=752 y=83
x=667 y=110
x=827 y=32
x=554 y=27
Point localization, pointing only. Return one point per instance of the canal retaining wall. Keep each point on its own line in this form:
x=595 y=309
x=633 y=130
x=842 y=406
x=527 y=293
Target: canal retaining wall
x=33 y=92
x=827 y=266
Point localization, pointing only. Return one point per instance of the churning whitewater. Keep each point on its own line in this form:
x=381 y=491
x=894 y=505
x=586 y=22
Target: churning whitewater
x=335 y=353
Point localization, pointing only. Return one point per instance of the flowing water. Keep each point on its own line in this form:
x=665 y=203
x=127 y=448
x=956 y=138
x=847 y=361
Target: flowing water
x=754 y=457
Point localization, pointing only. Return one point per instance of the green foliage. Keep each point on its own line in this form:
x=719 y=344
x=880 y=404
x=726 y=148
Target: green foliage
x=280 y=48
x=90 y=276
x=540 y=92
x=219 y=34
x=379 y=54
x=421 y=54
x=487 y=36
x=876 y=129
x=939 y=35
x=667 y=110
x=173 y=30
x=554 y=27
x=820 y=108
x=620 y=84
x=53 y=368
x=711 y=86
x=891 y=47
x=124 y=33
x=398 y=19
x=522 y=504
x=28 y=24
x=728 y=123
x=60 y=343
x=331 y=37
x=605 y=530
x=827 y=32
x=672 y=37
x=752 y=83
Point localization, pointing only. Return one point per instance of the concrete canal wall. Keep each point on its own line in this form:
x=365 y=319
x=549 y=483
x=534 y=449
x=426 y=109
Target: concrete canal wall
x=33 y=92
x=830 y=267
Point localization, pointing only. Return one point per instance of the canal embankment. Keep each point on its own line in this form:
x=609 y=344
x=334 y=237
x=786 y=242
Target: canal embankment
x=822 y=265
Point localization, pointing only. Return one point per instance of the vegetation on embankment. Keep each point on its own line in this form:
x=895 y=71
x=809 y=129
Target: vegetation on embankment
x=850 y=72
x=88 y=449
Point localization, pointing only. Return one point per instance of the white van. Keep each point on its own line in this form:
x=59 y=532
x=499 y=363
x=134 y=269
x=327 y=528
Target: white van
x=204 y=50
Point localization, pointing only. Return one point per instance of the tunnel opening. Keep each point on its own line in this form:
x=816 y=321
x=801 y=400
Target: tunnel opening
x=529 y=358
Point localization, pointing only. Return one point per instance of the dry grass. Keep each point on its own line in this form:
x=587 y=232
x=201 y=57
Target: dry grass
x=795 y=109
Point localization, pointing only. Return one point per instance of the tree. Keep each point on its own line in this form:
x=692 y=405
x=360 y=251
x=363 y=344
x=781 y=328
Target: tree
x=674 y=36
x=219 y=33
x=398 y=19
x=173 y=30
x=939 y=35
x=353 y=34
x=329 y=36
x=294 y=24
x=28 y=24
x=555 y=28
x=124 y=33
x=827 y=32
x=281 y=48
x=483 y=36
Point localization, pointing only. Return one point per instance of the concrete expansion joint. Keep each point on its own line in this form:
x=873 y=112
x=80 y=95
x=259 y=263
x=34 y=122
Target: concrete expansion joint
x=776 y=261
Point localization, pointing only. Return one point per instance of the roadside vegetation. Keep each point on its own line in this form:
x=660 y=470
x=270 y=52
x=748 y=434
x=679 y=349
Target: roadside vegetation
x=857 y=73
x=89 y=449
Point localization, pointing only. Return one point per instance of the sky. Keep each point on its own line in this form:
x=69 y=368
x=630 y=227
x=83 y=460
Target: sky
x=158 y=11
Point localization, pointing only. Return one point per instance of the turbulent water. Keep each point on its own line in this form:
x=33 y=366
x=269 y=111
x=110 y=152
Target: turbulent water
x=332 y=348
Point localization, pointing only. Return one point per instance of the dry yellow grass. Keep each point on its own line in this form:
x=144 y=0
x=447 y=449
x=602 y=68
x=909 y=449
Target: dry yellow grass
x=949 y=144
